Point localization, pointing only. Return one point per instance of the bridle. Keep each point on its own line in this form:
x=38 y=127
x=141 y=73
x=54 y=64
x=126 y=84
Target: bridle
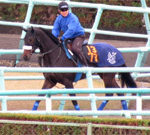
x=41 y=55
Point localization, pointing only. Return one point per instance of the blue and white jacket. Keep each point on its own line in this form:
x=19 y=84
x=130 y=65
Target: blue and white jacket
x=70 y=25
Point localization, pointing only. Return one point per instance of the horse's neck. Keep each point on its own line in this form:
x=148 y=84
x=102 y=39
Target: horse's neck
x=46 y=44
x=50 y=51
x=55 y=55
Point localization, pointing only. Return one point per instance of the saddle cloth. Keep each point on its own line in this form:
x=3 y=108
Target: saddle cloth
x=103 y=54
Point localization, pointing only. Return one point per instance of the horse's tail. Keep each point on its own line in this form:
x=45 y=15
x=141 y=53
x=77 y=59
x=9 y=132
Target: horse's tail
x=127 y=79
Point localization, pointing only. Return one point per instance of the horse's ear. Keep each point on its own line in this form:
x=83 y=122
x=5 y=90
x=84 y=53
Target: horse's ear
x=32 y=30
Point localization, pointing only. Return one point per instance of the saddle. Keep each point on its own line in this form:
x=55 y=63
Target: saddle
x=90 y=52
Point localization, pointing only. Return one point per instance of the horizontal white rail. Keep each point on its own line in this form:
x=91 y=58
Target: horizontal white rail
x=123 y=50
x=88 y=125
x=75 y=69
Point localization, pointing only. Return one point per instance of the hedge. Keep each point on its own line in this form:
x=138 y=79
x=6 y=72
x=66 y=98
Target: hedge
x=36 y=129
x=111 y=20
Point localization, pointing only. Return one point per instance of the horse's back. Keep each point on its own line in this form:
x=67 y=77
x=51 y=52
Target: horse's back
x=106 y=55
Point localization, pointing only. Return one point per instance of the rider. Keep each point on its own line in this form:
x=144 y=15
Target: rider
x=69 y=24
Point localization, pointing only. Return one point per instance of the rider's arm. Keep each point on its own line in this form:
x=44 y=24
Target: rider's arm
x=72 y=26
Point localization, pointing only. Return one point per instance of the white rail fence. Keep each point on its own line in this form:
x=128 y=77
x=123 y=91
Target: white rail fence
x=142 y=53
x=13 y=94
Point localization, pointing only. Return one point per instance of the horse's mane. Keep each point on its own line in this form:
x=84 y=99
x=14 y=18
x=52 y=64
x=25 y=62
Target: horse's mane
x=50 y=35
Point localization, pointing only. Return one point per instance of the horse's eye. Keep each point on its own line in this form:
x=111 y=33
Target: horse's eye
x=30 y=40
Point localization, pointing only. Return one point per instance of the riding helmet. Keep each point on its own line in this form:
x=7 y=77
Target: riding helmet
x=63 y=5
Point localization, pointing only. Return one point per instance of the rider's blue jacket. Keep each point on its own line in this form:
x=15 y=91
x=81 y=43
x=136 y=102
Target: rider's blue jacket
x=70 y=25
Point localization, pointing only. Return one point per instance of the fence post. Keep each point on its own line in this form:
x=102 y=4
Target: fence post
x=48 y=103
x=2 y=87
x=140 y=61
x=90 y=85
x=139 y=105
x=95 y=25
x=26 y=24
x=62 y=103
x=89 y=129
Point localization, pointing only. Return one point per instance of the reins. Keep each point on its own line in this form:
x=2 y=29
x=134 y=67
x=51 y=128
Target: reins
x=50 y=51
x=41 y=55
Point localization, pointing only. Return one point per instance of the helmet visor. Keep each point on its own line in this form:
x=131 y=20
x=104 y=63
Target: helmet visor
x=63 y=9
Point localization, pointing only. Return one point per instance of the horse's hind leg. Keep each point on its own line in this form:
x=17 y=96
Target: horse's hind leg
x=123 y=102
x=110 y=82
x=75 y=103
x=47 y=84
x=107 y=78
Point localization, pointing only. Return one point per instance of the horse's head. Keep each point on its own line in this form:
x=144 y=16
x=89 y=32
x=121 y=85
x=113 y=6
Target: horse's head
x=31 y=43
x=38 y=38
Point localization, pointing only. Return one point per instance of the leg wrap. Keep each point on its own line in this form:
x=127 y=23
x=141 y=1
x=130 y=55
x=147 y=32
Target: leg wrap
x=77 y=107
x=101 y=107
x=124 y=104
x=35 y=106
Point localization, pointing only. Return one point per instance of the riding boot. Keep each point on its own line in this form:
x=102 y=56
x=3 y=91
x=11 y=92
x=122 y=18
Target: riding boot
x=83 y=59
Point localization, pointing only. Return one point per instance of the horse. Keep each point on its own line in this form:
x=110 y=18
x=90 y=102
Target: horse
x=53 y=54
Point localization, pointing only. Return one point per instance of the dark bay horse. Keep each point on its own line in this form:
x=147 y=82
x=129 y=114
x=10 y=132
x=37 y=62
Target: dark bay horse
x=53 y=55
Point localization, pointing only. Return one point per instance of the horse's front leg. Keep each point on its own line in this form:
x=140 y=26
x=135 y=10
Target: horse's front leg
x=75 y=103
x=47 y=84
x=69 y=85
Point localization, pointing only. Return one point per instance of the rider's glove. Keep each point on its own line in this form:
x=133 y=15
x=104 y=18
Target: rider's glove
x=61 y=41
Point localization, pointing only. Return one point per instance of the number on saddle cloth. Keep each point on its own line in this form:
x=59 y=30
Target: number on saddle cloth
x=91 y=53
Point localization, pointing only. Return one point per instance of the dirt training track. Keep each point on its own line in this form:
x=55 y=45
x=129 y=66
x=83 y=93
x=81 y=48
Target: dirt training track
x=10 y=41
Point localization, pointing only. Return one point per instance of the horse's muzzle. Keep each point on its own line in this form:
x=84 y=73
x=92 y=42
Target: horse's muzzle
x=26 y=58
x=27 y=54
